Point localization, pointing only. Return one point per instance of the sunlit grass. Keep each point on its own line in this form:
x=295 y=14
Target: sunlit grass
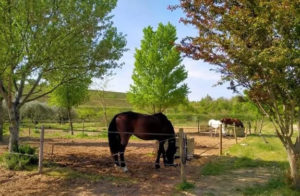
x=184 y=186
x=253 y=152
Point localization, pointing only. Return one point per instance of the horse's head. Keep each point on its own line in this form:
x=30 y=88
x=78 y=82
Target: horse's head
x=170 y=153
x=168 y=129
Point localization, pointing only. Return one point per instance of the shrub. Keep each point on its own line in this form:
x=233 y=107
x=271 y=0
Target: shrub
x=183 y=186
x=22 y=158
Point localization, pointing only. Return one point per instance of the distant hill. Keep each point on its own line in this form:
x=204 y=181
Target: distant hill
x=111 y=99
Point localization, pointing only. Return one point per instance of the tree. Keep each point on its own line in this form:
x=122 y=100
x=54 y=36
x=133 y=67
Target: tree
x=71 y=94
x=254 y=44
x=1 y=118
x=37 y=111
x=102 y=85
x=157 y=74
x=42 y=42
x=86 y=114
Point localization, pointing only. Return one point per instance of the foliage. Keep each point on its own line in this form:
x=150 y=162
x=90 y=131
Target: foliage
x=61 y=114
x=71 y=94
x=184 y=186
x=254 y=44
x=37 y=111
x=157 y=74
x=45 y=44
x=87 y=113
x=22 y=158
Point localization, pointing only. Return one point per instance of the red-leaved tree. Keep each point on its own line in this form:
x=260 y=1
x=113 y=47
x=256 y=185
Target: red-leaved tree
x=254 y=44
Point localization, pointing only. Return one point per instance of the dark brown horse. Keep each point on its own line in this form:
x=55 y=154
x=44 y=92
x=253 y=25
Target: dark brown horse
x=146 y=127
x=231 y=121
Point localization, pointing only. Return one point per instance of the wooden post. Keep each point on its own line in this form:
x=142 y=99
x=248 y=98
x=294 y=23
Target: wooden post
x=181 y=150
x=29 y=132
x=52 y=149
x=83 y=127
x=220 y=137
x=198 y=125
x=234 y=132
x=41 y=150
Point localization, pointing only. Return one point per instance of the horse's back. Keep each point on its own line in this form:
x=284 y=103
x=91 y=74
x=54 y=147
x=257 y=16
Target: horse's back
x=143 y=126
x=214 y=123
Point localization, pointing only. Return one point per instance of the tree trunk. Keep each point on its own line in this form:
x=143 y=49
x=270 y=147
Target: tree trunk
x=261 y=125
x=1 y=120
x=14 y=116
x=249 y=127
x=70 y=120
x=105 y=117
x=294 y=162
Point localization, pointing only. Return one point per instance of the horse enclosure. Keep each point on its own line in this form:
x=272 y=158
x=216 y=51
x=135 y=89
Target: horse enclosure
x=92 y=157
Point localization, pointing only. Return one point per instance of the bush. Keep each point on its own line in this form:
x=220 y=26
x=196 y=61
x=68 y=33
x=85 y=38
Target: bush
x=21 y=159
x=185 y=186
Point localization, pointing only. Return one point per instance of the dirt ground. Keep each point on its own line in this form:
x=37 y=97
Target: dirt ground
x=91 y=157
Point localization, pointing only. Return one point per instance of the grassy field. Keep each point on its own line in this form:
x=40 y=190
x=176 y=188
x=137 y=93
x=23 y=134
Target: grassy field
x=254 y=152
x=116 y=102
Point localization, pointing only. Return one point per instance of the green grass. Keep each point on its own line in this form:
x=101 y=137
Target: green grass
x=184 y=186
x=254 y=152
x=225 y=164
x=23 y=158
x=275 y=186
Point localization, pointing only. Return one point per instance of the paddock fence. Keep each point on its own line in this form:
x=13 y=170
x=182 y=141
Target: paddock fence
x=64 y=150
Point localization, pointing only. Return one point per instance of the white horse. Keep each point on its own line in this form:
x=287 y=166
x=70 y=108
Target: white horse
x=216 y=124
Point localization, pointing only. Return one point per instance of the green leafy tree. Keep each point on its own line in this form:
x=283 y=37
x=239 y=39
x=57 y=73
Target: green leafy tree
x=69 y=95
x=86 y=114
x=37 y=111
x=101 y=94
x=43 y=41
x=158 y=74
x=254 y=44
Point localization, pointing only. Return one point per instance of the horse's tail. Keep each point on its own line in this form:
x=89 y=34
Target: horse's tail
x=113 y=137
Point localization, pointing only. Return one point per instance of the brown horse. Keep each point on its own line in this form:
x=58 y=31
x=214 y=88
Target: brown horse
x=146 y=127
x=231 y=121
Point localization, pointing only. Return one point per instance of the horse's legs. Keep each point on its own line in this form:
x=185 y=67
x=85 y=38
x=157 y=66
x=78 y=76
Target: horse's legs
x=124 y=142
x=116 y=159
x=158 y=157
x=122 y=159
x=160 y=151
x=164 y=154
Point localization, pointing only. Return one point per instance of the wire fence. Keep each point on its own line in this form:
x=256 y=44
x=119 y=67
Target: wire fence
x=51 y=145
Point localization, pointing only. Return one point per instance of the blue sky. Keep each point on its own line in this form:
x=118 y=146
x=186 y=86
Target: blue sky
x=130 y=17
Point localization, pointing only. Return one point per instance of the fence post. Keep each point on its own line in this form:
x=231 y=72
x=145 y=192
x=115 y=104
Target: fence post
x=29 y=132
x=220 y=137
x=198 y=125
x=182 y=162
x=52 y=149
x=234 y=130
x=41 y=152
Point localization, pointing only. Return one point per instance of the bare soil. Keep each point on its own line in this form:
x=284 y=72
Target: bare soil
x=91 y=157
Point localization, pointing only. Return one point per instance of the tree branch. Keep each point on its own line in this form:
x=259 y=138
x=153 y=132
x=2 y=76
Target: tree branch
x=32 y=89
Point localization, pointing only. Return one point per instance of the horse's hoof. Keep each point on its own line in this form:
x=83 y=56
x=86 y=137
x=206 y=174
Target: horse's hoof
x=125 y=169
x=157 y=166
